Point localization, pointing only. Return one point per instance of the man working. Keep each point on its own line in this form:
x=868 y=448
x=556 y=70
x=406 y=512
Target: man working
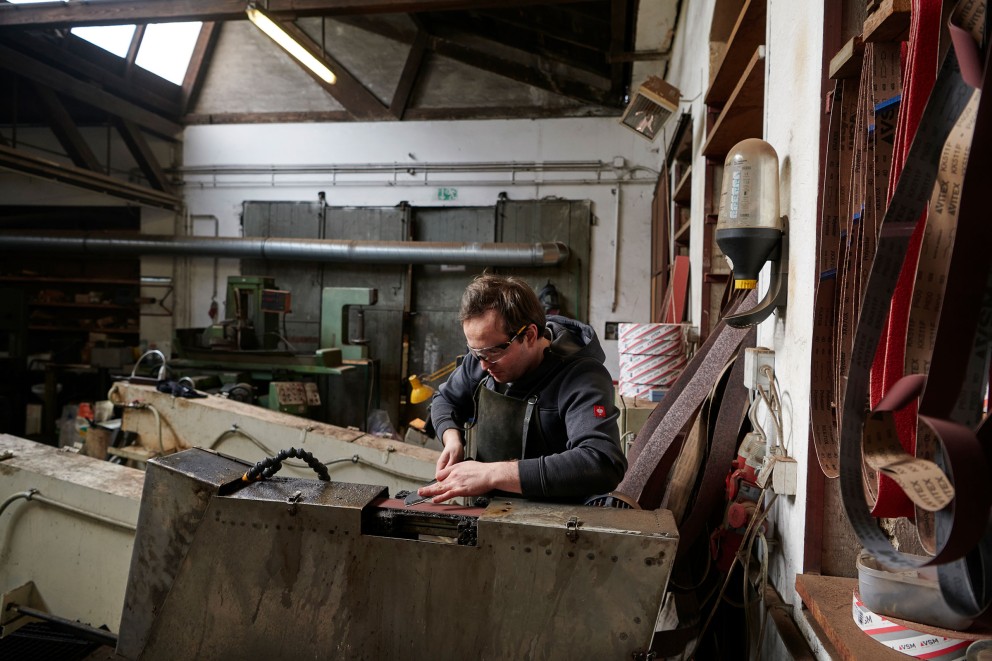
x=539 y=398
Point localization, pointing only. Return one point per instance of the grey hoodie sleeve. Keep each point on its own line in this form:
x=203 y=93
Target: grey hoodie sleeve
x=593 y=462
x=453 y=403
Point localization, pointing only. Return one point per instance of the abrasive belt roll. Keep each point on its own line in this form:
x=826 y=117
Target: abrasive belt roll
x=660 y=440
x=956 y=487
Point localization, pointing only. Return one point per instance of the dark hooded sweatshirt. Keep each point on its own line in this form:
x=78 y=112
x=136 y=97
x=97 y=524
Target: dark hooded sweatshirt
x=577 y=414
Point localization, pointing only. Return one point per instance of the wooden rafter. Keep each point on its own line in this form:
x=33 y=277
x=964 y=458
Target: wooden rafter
x=111 y=81
x=531 y=41
x=123 y=12
x=196 y=70
x=19 y=161
x=132 y=51
x=408 y=79
x=26 y=67
x=467 y=48
x=559 y=23
x=65 y=130
x=347 y=90
x=620 y=42
x=143 y=155
x=453 y=46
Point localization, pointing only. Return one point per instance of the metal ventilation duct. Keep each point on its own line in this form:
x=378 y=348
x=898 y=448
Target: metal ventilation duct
x=314 y=250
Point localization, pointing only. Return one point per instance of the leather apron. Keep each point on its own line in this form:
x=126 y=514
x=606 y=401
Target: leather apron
x=505 y=428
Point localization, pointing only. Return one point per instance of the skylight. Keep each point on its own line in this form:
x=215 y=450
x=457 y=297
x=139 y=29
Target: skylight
x=165 y=50
x=114 y=38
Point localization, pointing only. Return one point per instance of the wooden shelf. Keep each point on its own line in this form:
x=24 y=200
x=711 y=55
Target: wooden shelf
x=681 y=236
x=81 y=329
x=70 y=281
x=94 y=306
x=747 y=35
x=683 y=189
x=846 y=63
x=827 y=602
x=743 y=115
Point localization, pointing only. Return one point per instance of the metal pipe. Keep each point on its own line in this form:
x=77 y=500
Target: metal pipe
x=35 y=495
x=415 y=168
x=15 y=497
x=319 y=250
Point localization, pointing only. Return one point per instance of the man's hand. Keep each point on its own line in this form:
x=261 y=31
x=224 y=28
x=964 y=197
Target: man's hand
x=454 y=449
x=473 y=478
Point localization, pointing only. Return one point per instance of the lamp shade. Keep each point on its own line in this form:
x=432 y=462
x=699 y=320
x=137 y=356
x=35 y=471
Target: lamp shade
x=418 y=391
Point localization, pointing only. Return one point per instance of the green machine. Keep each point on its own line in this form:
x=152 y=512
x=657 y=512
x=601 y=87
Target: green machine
x=336 y=329
x=337 y=383
x=256 y=305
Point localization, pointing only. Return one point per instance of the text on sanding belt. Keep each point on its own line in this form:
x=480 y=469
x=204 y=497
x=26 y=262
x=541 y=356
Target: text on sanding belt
x=949 y=318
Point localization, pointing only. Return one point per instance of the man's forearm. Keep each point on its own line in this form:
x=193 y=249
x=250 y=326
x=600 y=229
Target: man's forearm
x=506 y=476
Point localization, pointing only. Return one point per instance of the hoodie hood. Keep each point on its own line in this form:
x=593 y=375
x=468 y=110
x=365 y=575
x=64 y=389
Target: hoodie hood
x=573 y=339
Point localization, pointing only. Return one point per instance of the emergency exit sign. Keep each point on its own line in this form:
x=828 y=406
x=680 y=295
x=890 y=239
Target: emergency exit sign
x=447 y=194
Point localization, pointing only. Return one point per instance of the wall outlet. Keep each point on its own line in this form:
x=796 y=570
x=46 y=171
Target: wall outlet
x=785 y=476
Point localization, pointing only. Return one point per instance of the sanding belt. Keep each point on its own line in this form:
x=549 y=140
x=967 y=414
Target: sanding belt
x=658 y=444
x=719 y=361
x=949 y=341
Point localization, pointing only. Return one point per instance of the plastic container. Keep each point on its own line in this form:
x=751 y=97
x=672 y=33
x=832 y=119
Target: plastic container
x=912 y=595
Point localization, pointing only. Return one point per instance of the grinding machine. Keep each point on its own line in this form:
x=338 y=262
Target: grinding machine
x=234 y=560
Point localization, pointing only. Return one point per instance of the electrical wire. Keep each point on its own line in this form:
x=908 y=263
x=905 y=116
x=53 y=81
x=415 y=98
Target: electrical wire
x=762 y=586
x=757 y=518
x=115 y=398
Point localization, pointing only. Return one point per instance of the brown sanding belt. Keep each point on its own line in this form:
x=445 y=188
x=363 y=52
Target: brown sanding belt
x=719 y=361
x=951 y=321
x=660 y=440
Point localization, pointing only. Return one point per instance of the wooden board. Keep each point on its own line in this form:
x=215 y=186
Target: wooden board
x=743 y=114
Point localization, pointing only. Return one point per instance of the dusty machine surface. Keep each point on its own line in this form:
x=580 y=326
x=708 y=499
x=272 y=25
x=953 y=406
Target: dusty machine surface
x=294 y=567
x=66 y=529
x=163 y=424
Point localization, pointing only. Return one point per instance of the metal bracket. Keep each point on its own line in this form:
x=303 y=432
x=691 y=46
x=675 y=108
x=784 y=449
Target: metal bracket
x=572 y=528
x=778 y=287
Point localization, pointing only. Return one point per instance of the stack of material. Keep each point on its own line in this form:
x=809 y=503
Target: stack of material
x=652 y=356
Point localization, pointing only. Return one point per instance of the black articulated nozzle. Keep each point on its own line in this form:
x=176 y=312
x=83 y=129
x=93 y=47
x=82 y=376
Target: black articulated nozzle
x=271 y=465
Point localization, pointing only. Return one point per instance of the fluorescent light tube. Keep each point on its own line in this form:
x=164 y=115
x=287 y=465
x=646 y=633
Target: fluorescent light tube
x=290 y=45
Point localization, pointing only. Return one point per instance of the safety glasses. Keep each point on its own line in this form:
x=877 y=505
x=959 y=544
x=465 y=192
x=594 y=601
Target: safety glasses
x=496 y=352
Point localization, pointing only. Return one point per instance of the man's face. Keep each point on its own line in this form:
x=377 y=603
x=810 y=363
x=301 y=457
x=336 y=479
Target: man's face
x=488 y=331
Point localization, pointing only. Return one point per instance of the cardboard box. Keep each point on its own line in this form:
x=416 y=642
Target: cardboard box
x=633 y=414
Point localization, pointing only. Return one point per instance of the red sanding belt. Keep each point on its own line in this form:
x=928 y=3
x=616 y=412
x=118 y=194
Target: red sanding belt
x=920 y=71
x=949 y=404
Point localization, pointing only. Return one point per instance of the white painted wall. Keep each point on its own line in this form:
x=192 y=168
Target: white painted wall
x=792 y=125
x=794 y=40
x=415 y=144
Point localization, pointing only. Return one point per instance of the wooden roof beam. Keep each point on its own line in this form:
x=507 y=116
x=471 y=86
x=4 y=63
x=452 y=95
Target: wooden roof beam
x=31 y=69
x=46 y=51
x=32 y=165
x=143 y=155
x=457 y=49
x=197 y=68
x=123 y=12
x=347 y=90
x=65 y=130
x=408 y=79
